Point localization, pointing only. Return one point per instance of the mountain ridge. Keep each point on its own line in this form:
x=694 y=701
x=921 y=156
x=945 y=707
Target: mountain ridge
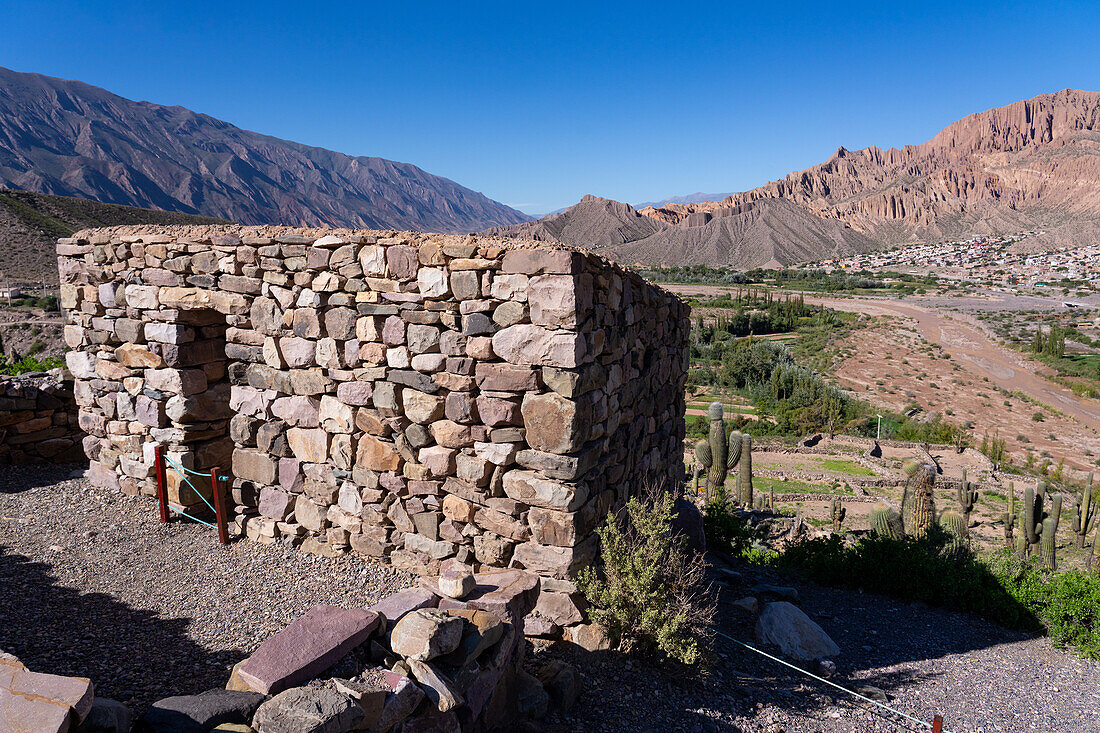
x=67 y=137
x=1029 y=163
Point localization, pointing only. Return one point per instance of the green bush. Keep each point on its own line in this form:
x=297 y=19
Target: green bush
x=648 y=592
x=725 y=529
x=30 y=364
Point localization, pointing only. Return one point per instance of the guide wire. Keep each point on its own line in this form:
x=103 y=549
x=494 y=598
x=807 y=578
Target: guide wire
x=827 y=682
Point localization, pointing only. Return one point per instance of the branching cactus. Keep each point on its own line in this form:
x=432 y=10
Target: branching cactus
x=967 y=497
x=1009 y=517
x=886 y=522
x=1084 y=515
x=918 y=503
x=837 y=512
x=955 y=525
x=719 y=455
x=719 y=451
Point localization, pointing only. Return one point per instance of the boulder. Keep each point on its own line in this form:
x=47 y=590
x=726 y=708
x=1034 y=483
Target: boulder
x=396 y=607
x=198 y=713
x=106 y=716
x=441 y=692
x=314 y=709
x=308 y=646
x=795 y=634
x=426 y=634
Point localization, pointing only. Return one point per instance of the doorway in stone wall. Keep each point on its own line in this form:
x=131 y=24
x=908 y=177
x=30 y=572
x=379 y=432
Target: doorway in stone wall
x=188 y=396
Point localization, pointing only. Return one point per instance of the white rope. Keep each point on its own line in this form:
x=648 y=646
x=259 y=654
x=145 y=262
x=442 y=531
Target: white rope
x=831 y=684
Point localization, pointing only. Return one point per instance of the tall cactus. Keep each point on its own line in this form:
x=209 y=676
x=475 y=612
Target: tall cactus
x=1094 y=548
x=837 y=512
x=956 y=525
x=1084 y=515
x=886 y=522
x=1021 y=544
x=918 y=503
x=1009 y=517
x=744 y=474
x=719 y=450
x=718 y=455
x=1031 y=519
x=967 y=497
x=1050 y=528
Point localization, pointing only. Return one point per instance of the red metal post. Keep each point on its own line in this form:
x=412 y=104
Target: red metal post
x=937 y=724
x=219 y=507
x=162 y=484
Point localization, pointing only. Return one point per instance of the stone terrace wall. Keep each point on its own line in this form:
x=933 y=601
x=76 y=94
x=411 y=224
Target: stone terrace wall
x=38 y=420
x=402 y=395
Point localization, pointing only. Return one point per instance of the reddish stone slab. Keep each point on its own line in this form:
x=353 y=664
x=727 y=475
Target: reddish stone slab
x=510 y=594
x=308 y=646
x=395 y=607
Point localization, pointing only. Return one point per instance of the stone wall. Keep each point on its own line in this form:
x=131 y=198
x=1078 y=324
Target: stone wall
x=38 y=421
x=403 y=395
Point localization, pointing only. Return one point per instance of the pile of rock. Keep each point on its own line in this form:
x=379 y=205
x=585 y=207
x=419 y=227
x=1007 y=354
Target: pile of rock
x=38 y=422
x=416 y=661
x=407 y=396
x=34 y=702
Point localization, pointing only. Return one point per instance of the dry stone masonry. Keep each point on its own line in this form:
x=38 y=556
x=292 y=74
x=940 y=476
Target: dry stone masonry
x=416 y=397
x=38 y=422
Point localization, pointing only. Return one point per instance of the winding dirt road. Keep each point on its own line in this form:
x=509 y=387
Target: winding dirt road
x=966 y=342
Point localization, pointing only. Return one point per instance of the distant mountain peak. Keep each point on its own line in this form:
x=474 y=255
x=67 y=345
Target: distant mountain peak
x=73 y=139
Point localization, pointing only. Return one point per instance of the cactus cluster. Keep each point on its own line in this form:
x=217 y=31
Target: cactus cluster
x=717 y=455
x=837 y=513
x=1039 y=528
x=918 y=503
x=1084 y=515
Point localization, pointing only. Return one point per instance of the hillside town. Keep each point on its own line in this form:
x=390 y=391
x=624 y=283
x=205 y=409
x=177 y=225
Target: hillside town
x=988 y=260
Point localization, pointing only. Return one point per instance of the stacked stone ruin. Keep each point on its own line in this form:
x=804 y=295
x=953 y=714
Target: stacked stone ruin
x=38 y=422
x=408 y=396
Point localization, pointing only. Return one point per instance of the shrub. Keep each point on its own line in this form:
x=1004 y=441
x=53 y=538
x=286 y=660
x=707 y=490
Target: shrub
x=999 y=586
x=725 y=529
x=926 y=569
x=649 y=592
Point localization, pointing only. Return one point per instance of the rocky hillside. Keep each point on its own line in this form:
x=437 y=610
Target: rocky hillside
x=1034 y=163
x=753 y=234
x=69 y=138
x=31 y=223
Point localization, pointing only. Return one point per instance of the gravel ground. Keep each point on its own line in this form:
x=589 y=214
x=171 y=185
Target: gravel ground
x=978 y=676
x=92 y=585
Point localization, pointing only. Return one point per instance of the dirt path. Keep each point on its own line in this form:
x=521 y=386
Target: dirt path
x=968 y=344
x=965 y=342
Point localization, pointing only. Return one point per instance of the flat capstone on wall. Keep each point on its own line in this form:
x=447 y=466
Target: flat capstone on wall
x=409 y=396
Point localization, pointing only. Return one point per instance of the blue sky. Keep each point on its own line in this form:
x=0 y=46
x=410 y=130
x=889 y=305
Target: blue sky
x=536 y=105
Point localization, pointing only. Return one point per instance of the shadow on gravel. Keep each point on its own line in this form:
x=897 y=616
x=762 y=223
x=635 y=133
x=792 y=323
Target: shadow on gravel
x=132 y=655
x=16 y=479
x=885 y=643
